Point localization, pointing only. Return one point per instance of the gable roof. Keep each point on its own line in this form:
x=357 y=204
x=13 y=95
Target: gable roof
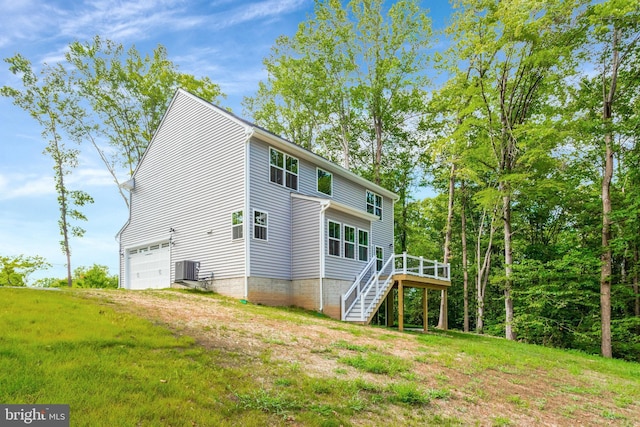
x=266 y=136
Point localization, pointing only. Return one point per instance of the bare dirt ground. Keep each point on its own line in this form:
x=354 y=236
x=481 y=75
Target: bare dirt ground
x=477 y=397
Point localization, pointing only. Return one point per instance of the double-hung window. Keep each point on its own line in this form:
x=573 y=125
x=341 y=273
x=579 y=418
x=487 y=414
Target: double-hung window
x=334 y=238
x=283 y=169
x=236 y=225
x=363 y=245
x=349 y=242
x=374 y=204
x=325 y=182
x=379 y=258
x=260 y=225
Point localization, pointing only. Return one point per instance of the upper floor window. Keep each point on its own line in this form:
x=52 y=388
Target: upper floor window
x=325 y=182
x=236 y=225
x=283 y=169
x=260 y=225
x=334 y=238
x=374 y=204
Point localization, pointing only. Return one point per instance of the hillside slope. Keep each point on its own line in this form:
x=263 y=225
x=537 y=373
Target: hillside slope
x=286 y=366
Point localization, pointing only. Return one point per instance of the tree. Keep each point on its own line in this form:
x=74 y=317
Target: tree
x=96 y=276
x=51 y=103
x=616 y=26
x=15 y=271
x=363 y=74
x=124 y=96
x=519 y=52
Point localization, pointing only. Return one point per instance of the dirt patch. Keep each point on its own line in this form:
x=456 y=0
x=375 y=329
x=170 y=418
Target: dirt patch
x=315 y=345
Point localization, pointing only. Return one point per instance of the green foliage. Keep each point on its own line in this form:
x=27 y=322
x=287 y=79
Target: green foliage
x=15 y=270
x=96 y=276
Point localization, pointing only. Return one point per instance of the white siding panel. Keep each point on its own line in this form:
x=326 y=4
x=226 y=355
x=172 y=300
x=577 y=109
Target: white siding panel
x=191 y=180
x=305 y=253
x=271 y=258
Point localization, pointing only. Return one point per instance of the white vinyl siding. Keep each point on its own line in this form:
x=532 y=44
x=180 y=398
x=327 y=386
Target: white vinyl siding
x=305 y=230
x=179 y=182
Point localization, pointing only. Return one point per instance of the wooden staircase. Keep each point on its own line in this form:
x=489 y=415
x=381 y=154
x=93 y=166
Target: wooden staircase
x=371 y=287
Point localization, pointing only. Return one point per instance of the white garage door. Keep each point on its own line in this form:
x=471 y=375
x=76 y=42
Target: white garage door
x=149 y=266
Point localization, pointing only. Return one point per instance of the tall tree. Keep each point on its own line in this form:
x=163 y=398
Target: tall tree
x=122 y=97
x=50 y=101
x=519 y=51
x=616 y=36
x=363 y=71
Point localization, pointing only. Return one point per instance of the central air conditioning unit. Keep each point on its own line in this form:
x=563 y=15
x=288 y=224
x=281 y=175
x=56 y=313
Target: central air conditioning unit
x=187 y=270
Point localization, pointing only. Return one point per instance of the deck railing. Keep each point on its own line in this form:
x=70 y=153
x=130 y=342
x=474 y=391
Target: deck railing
x=371 y=282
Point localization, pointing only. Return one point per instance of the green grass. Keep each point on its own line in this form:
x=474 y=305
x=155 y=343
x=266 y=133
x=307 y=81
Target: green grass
x=115 y=368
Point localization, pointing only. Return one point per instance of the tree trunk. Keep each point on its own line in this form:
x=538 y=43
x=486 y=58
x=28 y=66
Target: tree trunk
x=607 y=175
x=482 y=274
x=377 y=121
x=636 y=287
x=465 y=271
x=447 y=241
x=508 y=263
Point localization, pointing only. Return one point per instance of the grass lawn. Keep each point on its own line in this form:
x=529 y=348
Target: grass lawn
x=119 y=365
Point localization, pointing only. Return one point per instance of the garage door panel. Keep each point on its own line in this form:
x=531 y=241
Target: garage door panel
x=149 y=267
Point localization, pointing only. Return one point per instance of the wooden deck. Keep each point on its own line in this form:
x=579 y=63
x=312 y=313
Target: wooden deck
x=401 y=281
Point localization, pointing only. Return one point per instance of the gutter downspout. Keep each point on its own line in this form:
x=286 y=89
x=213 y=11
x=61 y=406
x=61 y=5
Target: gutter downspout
x=247 y=187
x=324 y=207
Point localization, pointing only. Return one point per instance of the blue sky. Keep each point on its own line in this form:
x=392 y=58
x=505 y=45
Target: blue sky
x=224 y=40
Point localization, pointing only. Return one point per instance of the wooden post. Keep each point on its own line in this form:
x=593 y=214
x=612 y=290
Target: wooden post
x=389 y=308
x=400 y=306
x=445 y=318
x=425 y=302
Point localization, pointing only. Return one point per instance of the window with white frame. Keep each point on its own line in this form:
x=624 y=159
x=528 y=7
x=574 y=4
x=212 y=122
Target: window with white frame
x=374 y=204
x=260 y=225
x=237 y=222
x=325 y=182
x=334 y=238
x=283 y=169
x=379 y=258
x=349 y=242
x=363 y=245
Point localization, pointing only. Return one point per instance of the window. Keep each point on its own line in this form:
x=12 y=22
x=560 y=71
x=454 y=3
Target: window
x=379 y=258
x=325 y=182
x=260 y=224
x=236 y=225
x=349 y=242
x=374 y=204
x=283 y=169
x=334 y=238
x=363 y=245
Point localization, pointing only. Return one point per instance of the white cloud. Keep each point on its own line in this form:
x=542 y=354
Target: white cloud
x=255 y=11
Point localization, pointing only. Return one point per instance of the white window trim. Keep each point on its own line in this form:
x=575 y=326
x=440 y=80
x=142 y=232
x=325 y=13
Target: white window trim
x=328 y=173
x=358 y=245
x=375 y=253
x=253 y=225
x=329 y=239
x=366 y=203
x=284 y=169
x=240 y=225
x=354 y=243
